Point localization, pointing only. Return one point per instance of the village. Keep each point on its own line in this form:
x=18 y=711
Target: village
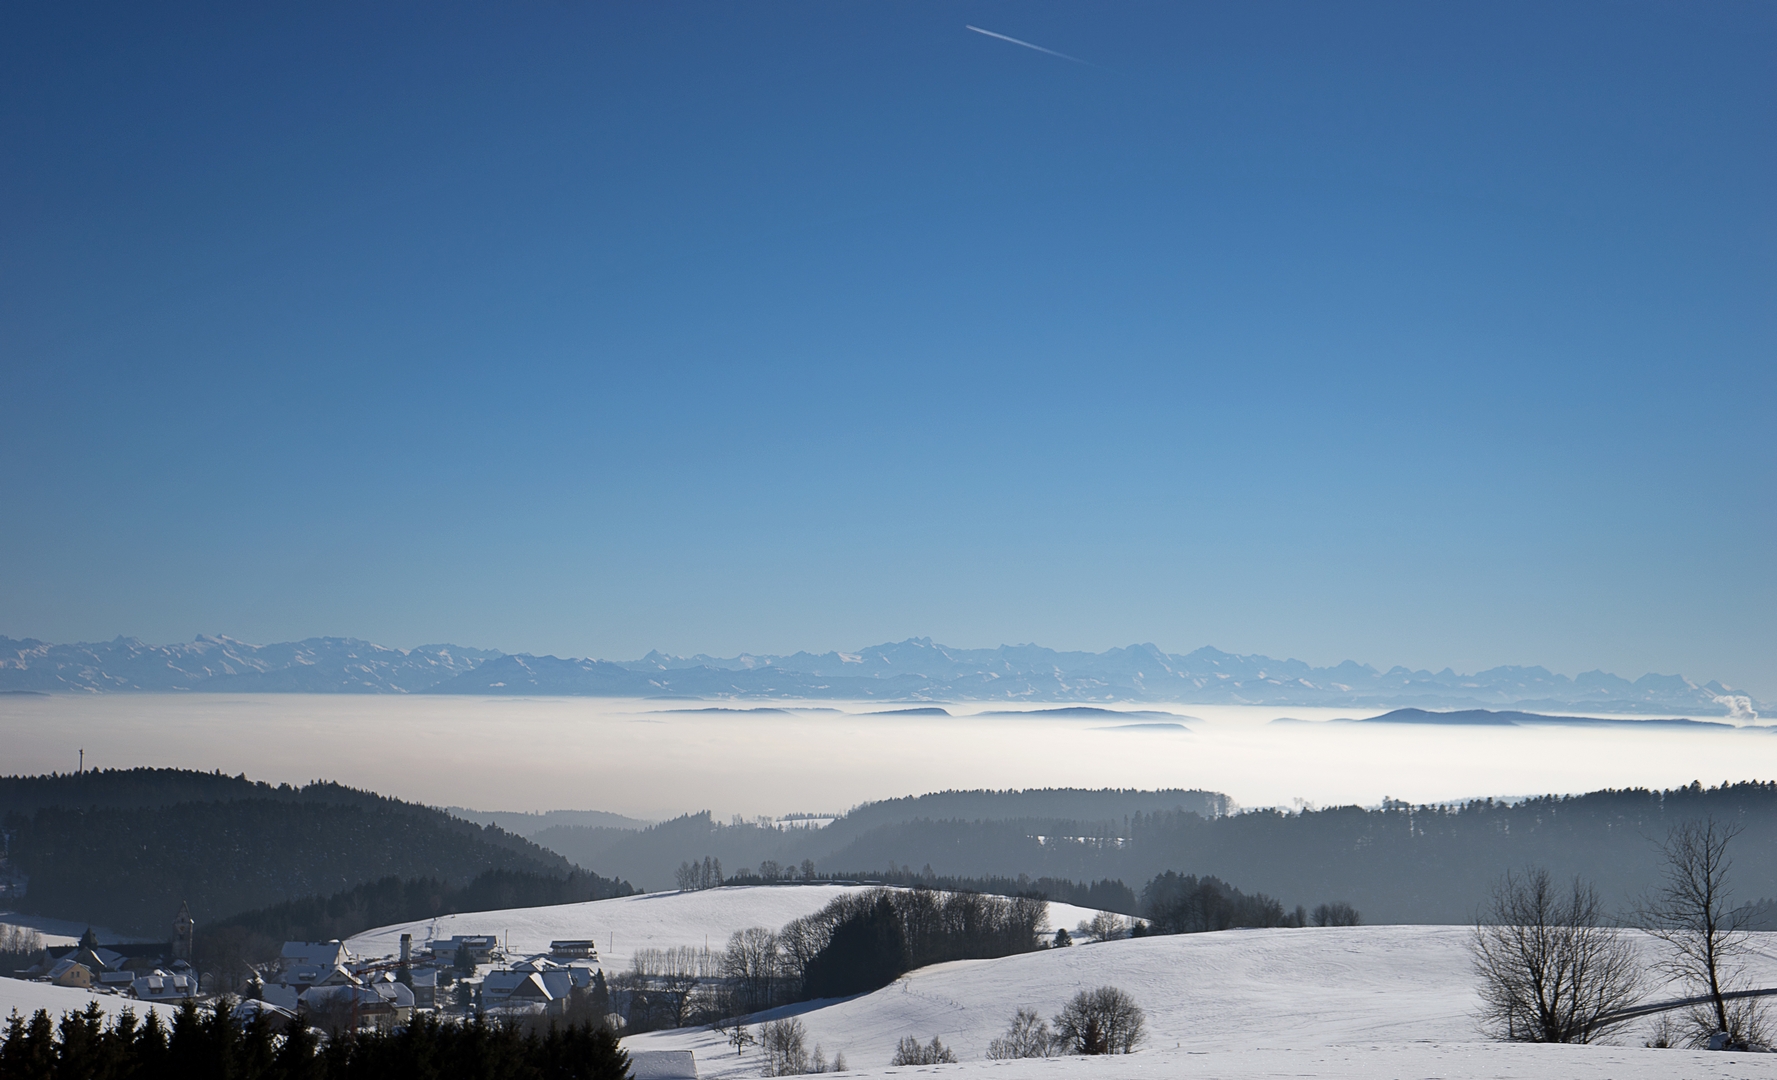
x=327 y=984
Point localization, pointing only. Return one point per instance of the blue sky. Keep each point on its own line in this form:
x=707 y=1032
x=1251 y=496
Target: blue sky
x=1425 y=334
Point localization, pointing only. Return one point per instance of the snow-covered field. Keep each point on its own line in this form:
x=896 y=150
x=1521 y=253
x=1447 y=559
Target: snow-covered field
x=1335 y=1004
x=1361 y=1002
x=649 y=921
x=27 y=997
x=1338 y=1004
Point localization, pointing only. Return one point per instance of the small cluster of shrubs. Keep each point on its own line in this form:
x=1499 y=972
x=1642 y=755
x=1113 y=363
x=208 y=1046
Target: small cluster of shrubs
x=1101 y=1021
x=909 y=1051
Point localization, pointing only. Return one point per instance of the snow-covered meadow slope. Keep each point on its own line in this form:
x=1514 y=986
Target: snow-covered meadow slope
x=1370 y=1001
x=27 y=997
x=648 y=921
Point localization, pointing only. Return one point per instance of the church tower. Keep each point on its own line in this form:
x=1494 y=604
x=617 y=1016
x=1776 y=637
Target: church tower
x=182 y=927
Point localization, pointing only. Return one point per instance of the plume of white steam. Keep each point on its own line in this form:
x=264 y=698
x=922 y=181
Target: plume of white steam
x=1739 y=706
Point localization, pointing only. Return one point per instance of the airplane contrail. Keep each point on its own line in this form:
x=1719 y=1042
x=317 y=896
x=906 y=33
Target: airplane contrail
x=1026 y=44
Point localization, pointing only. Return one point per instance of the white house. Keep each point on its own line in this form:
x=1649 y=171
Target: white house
x=160 y=985
x=314 y=953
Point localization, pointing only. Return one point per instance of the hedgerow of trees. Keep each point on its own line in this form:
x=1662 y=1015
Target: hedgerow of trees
x=1177 y=903
x=20 y=947
x=857 y=943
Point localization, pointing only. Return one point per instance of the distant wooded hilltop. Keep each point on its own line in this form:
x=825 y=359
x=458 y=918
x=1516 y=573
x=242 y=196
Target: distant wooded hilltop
x=911 y=670
x=125 y=848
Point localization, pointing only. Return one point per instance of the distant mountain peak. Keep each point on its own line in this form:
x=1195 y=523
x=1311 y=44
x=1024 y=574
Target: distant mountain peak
x=914 y=669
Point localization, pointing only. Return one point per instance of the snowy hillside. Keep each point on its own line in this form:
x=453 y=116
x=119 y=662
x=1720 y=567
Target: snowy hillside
x=1358 y=1002
x=647 y=921
x=28 y=997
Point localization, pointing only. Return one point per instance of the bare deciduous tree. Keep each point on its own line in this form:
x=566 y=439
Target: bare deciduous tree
x=20 y=940
x=753 y=963
x=1102 y=927
x=1549 y=971
x=685 y=877
x=704 y=875
x=1335 y=913
x=735 y=1031
x=1028 y=1037
x=1704 y=935
x=785 y=1043
x=1102 y=1021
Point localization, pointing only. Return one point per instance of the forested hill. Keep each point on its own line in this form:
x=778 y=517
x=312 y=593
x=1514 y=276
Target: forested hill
x=1058 y=804
x=648 y=856
x=1397 y=863
x=123 y=848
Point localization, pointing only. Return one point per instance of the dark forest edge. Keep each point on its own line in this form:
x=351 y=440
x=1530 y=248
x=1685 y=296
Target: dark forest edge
x=214 y=1043
x=125 y=848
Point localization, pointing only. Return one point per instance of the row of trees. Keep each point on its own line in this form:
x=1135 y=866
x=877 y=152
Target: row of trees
x=1185 y=904
x=1173 y=903
x=213 y=1044
x=692 y=876
x=20 y=947
x=1554 y=966
x=1106 y=894
x=867 y=940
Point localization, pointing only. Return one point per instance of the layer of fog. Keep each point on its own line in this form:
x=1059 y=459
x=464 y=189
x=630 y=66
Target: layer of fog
x=655 y=759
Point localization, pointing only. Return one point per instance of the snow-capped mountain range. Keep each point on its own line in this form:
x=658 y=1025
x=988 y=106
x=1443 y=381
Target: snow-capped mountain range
x=911 y=670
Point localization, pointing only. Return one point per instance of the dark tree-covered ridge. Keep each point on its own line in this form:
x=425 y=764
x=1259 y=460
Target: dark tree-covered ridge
x=124 y=848
x=1395 y=862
